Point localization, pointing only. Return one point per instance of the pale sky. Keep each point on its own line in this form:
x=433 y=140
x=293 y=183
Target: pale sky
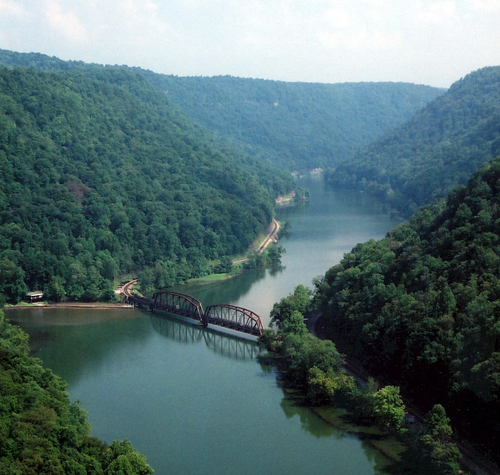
x=434 y=42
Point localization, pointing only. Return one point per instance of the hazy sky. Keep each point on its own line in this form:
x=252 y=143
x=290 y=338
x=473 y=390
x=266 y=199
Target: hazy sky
x=433 y=42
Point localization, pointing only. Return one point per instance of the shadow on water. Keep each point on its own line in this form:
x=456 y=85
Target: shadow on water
x=220 y=343
x=309 y=421
x=387 y=454
x=89 y=336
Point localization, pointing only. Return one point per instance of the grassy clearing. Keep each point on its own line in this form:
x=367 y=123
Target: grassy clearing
x=209 y=279
x=335 y=416
x=390 y=447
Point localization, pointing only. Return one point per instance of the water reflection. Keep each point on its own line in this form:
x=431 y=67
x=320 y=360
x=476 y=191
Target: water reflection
x=175 y=330
x=220 y=343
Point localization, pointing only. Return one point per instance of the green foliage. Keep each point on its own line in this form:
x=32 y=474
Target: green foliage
x=294 y=324
x=321 y=386
x=438 y=423
x=299 y=301
x=306 y=359
x=437 y=149
x=422 y=305
x=388 y=407
x=434 y=449
x=303 y=351
x=268 y=339
x=296 y=126
x=12 y=286
x=327 y=387
x=100 y=175
x=41 y=431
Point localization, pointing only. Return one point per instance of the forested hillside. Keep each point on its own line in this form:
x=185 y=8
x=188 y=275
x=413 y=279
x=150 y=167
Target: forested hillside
x=296 y=126
x=422 y=306
x=440 y=147
x=100 y=175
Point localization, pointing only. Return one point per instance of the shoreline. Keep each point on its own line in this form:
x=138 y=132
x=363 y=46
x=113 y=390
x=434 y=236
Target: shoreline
x=89 y=305
x=271 y=236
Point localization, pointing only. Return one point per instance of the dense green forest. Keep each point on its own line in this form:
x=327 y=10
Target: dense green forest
x=296 y=126
x=438 y=148
x=41 y=431
x=317 y=368
x=422 y=306
x=100 y=175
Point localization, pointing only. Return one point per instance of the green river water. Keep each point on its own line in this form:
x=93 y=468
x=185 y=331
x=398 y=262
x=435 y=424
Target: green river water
x=196 y=402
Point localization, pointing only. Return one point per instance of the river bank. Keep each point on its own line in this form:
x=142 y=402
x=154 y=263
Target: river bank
x=84 y=305
x=471 y=460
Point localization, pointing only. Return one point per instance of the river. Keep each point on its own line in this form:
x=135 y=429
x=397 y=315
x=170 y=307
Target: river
x=198 y=402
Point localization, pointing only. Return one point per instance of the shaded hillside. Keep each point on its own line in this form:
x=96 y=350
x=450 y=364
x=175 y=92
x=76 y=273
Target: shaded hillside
x=296 y=126
x=99 y=175
x=434 y=151
x=422 y=306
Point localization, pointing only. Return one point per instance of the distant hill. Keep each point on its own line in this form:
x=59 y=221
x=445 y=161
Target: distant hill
x=438 y=148
x=100 y=174
x=296 y=126
x=422 y=306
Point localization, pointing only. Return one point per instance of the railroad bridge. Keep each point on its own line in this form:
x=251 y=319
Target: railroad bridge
x=227 y=316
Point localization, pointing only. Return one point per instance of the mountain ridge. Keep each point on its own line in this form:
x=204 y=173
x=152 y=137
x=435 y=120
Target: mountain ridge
x=296 y=126
x=438 y=148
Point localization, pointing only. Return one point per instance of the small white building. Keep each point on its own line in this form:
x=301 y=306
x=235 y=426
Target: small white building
x=35 y=296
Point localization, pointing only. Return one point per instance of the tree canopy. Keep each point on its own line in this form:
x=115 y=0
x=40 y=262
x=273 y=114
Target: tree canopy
x=100 y=175
x=298 y=126
x=422 y=305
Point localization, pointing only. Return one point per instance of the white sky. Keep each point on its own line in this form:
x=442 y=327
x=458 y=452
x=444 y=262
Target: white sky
x=433 y=42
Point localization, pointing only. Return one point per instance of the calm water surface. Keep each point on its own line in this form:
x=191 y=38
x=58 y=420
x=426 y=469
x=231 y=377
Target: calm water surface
x=197 y=402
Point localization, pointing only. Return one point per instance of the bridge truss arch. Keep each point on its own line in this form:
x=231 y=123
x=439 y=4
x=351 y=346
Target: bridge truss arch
x=235 y=318
x=180 y=304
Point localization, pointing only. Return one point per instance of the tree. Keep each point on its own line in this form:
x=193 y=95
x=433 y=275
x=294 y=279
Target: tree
x=226 y=265
x=12 y=284
x=439 y=452
x=41 y=431
x=438 y=423
x=294 y=324
x=388 y=407
x=54 y=290
x=299 y=301
x=323 y=387
x=268 y=339
x=302 y=351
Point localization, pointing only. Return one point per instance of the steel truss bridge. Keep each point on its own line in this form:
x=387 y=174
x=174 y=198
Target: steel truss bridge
x=228 y=316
